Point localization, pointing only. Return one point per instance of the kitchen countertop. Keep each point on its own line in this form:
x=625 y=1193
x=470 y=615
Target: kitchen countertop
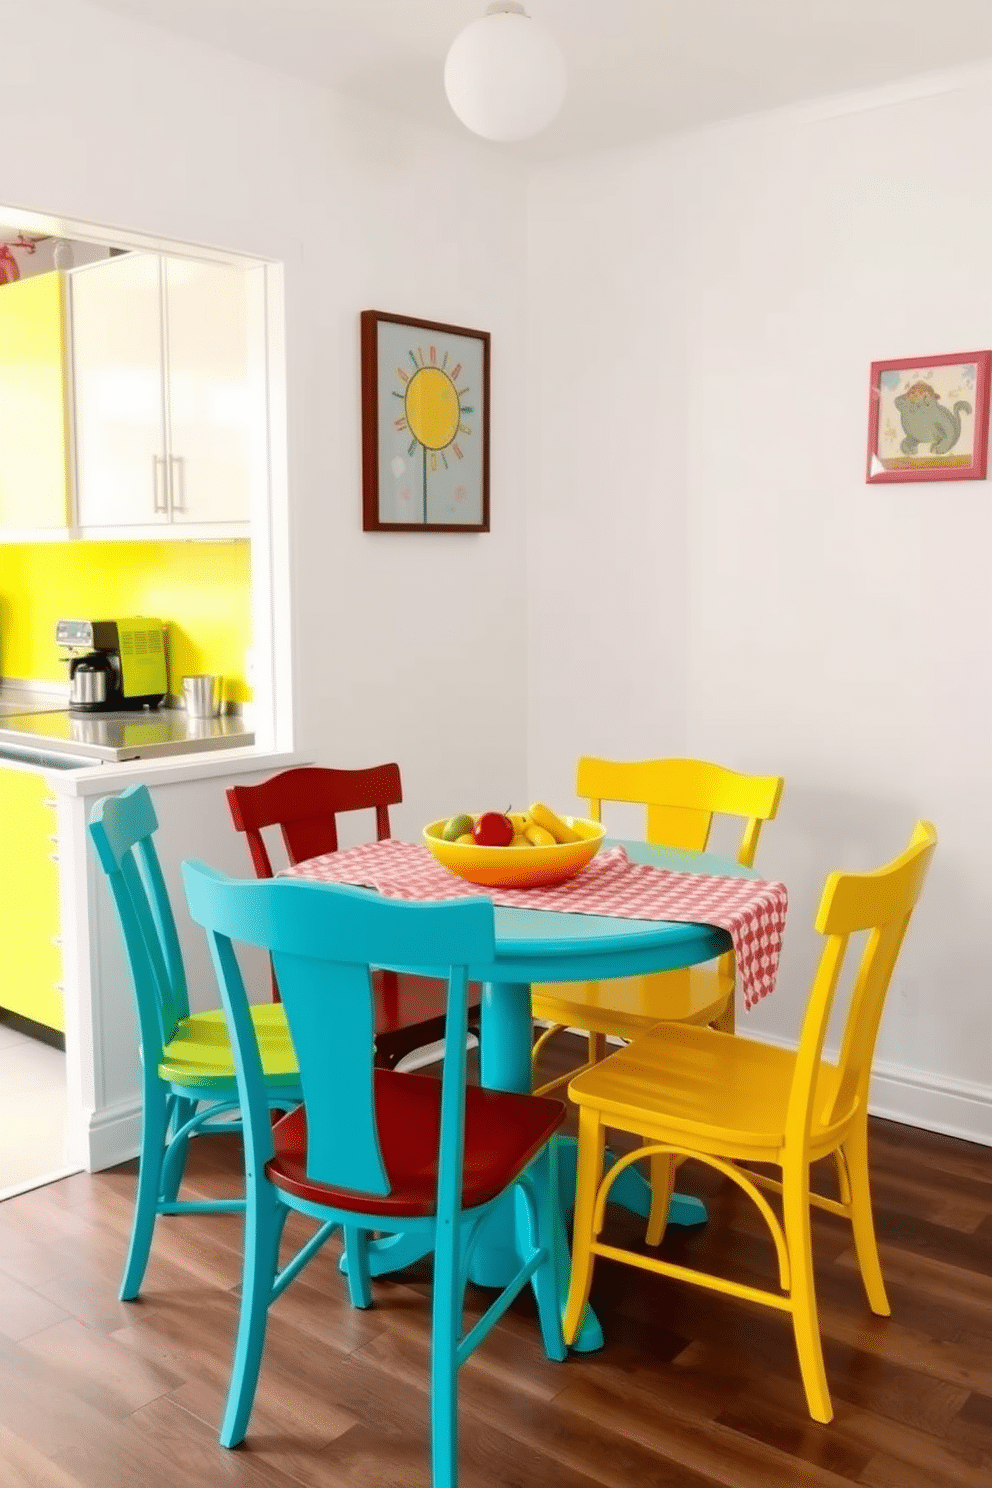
x=36 y=721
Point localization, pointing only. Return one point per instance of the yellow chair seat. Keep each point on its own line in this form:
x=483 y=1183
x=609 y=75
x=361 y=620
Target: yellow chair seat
x=717 y=1092
x=199 y=1052
x=628 y=1006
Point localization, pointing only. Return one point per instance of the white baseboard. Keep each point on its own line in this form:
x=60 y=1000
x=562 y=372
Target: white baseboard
x=40 y=1182
x=937 y=1103
x=958 y=1108
x=114 y=1135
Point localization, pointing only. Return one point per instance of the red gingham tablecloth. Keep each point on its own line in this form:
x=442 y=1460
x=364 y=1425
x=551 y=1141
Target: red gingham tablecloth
x=752 y=910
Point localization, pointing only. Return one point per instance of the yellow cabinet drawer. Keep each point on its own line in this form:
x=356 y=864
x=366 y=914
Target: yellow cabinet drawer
x=31 y=964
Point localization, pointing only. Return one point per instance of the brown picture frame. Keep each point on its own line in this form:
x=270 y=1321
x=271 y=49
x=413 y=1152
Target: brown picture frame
x=425 y=425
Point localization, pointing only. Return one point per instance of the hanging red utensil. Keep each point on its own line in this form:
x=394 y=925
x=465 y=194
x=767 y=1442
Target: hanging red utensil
x=9 y=270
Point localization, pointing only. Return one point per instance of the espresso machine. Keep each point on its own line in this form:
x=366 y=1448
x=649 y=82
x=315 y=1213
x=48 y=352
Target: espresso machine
x=116 y=665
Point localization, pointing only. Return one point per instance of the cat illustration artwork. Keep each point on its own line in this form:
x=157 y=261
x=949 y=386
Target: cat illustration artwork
x=925 y=420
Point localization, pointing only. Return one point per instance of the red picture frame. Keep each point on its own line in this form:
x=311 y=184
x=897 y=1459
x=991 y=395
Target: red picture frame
x=928 y=418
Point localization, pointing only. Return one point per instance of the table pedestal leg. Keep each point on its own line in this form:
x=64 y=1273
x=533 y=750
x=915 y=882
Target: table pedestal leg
x=631 y=1190
x=393 y=1253
x=507 y=1035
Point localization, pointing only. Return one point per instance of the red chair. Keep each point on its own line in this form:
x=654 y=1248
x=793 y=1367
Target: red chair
x=409 y=1010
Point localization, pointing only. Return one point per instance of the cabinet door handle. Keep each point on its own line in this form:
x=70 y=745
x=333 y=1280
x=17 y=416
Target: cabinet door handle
x=177 y=482
x=158 y=486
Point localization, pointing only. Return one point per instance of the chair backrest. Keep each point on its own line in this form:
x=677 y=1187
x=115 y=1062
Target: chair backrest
x=682 y=796
x=323 y=939
x=305 y=804
x=880 y=902
x=122 y=829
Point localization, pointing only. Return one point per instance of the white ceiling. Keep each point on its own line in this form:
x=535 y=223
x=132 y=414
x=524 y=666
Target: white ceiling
x=637 y=68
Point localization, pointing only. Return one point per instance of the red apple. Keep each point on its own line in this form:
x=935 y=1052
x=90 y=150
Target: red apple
x=493 y=829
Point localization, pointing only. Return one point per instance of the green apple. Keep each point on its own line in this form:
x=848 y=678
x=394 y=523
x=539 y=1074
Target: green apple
x=457 y=826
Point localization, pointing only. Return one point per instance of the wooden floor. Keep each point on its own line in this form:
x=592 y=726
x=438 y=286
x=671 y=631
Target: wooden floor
x=690 y=1390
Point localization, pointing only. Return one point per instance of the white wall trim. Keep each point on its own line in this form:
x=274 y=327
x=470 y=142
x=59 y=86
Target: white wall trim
x=937 y=1103
x=40 y=1182
x=957 y=1108
x=803 y=111
x=429 y=1054
x=114 y=1135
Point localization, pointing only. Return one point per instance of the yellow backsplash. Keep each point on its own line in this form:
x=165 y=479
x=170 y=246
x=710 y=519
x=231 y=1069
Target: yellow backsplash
x=201 y=591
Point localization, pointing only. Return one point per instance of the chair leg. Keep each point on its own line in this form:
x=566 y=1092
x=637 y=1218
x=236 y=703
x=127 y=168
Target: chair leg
x=174 y=1163
x=154 y=1120
x=597 y=1047
x=727 y=1021
x=550 y=1236
x=862 y=1222
x=359 y=1277
x=662 y=1184
x=805 y=1321
x=592 y=1141
x=445 y=1334
x=264 y=1221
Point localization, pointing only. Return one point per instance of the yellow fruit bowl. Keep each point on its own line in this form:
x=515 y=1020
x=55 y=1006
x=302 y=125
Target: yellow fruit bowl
x=517 y=867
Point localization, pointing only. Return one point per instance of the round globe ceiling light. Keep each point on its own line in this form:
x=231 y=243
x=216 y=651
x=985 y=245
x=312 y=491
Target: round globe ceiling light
x=505 y=75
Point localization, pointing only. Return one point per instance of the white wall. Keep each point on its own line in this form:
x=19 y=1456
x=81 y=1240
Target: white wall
x=706 y=311
x=408 y=647
x=608 y=592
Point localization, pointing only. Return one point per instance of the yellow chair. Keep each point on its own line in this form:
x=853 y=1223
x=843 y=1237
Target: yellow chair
x=697 y=1093
x=681 y=797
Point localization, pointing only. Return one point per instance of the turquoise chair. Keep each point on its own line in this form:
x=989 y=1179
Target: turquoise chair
x=375 y=1149
x=187 y=1065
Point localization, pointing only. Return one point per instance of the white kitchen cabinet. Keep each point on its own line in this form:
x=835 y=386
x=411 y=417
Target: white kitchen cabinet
x=165 y=400
x=118 y=367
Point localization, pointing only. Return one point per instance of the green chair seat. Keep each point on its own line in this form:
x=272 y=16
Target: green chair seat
x=199 y=1053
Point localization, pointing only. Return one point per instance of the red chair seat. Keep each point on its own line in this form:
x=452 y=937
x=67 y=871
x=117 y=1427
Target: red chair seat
x=403 y=1001
x=502 y=1133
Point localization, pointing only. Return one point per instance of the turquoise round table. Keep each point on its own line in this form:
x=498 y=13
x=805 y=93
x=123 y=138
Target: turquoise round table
x=546 y=946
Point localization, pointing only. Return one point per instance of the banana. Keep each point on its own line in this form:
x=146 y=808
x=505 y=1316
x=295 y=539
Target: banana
x=544 y=817
x=539 y=836
x=520 y=821
x=519 y=841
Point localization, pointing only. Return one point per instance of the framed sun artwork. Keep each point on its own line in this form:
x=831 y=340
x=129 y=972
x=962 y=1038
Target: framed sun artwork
x=425 y=425
x=928 y=418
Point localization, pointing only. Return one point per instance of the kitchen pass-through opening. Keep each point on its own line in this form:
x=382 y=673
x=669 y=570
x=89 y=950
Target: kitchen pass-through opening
x=95 y=530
